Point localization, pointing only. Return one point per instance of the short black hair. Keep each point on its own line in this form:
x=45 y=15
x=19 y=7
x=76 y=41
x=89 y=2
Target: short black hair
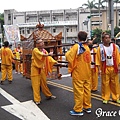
x=112 y=39
x=82 y=35
x=6 y=44
x=103 y=36
x=95 y=42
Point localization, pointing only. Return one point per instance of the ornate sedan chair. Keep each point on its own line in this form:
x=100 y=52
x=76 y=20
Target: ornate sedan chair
x=52 y=44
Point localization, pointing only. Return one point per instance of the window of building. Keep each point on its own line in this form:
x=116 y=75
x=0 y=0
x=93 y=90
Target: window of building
x=23 y=31
x=27 y=18
x=9 y=16
x=20 y=31
x=119 y=22
x=95 y=24
x=67 y=29
x=41 y=19
x=54 y=30
x=28 y=31
x=67 y=17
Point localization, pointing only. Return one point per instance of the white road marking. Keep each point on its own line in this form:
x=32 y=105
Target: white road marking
x=8 y=96
x=26 y=111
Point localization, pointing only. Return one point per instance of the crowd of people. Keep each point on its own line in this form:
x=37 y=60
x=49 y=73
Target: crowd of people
x=86 y=61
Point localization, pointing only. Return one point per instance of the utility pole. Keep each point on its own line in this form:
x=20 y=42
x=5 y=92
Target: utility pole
x=111 y=16
x=0 y=34
x=78 y=15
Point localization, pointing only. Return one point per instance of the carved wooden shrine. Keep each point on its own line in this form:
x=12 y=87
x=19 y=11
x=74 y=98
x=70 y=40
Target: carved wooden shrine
x=52 y=44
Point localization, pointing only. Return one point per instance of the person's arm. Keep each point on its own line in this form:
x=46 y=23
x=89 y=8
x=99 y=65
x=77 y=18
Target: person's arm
x=12 y=55
x=97 y=60
x=39 y=55
x=71 y=54
x=0 y=51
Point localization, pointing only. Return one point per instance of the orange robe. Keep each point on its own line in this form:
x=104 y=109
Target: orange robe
x=109 y=75
x=18 y=64
x=6 y=64
x=40 y=67
x=79 y=67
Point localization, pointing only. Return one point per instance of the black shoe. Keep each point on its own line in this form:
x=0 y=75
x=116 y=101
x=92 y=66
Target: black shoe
x=10 y=81
x=1 y=82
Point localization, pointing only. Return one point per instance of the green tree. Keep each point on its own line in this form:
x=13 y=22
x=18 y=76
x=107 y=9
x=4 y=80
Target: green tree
x=108 y=31
x=100 y=5
x=90 y=5
x=97 y=32
x=2 y=23
x=116 y=30
x=116 y=2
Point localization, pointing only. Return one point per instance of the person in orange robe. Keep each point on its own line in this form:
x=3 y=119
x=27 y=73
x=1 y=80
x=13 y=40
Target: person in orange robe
x=40 y=67
x=6 y=64
x=94 y=68
x=108 y=59
x=79 y=61
x=18 y=65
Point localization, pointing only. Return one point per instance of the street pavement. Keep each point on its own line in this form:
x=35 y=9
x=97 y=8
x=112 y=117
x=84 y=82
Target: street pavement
x=16 y=102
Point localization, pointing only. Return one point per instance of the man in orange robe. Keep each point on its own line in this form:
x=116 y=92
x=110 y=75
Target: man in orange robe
x=40 y=67
x=79 y=60
x=94 y=68
x=18 y=53
x=6 y=64
x=108 y=60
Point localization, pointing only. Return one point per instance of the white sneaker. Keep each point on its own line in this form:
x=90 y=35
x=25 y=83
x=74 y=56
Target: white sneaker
x=51 y=97
x=37 y=103
x=16 y=72
x=87 y=110
x=72 y=112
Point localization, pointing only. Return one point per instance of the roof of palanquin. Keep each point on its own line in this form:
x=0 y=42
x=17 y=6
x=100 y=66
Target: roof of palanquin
x=42 y=34
x=22 y=37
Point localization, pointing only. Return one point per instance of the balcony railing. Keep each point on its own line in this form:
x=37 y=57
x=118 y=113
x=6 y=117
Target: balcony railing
x=53 y=23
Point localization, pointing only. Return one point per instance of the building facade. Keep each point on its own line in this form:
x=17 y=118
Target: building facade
x=67 y=21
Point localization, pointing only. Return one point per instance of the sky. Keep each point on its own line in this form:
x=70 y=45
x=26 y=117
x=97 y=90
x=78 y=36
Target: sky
x=37 y=5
